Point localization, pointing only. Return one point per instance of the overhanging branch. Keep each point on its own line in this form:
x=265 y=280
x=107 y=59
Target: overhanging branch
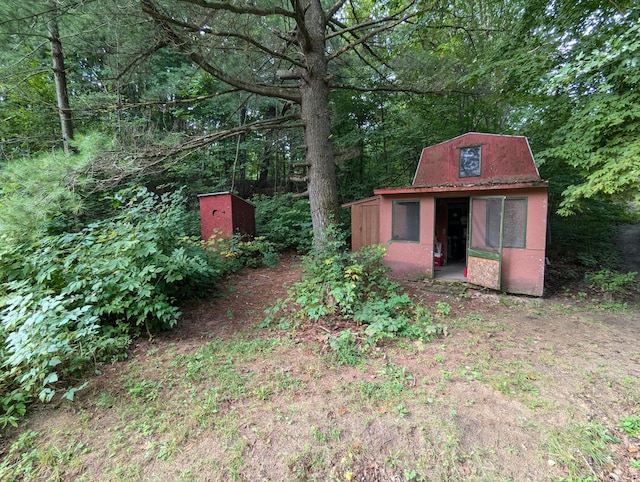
x=389 y=24
x=116 y=166
x=400 y=90
x=184 y=45
x=241 y=9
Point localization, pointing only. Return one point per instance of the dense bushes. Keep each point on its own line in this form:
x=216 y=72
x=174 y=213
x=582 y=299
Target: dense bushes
x=353 y=286
x=70 y=300
x=284 y=221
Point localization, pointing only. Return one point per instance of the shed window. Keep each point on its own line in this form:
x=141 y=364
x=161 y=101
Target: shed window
x=469 y=165
x=515 y=223
x=514 y=231
x=406 y=221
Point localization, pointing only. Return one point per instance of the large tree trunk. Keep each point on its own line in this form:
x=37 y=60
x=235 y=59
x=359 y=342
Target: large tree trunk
x=60 y=76
x=314 y=90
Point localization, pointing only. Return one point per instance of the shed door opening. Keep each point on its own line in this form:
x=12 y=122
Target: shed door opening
x=450 y=238
x=484 y=261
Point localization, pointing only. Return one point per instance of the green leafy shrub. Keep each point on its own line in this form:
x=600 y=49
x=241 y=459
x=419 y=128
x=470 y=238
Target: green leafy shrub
x=353 y=286
x=345 y=348
x=284 y=221
x=630 y=425
x=239 y=253
x=70 y=300
x=611 y=282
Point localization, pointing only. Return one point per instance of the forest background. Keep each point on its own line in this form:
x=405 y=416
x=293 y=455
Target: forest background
x=116 y=114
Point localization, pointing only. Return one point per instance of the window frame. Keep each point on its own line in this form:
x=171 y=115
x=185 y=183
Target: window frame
x=394 y=219
x=525 y=215
x=476 y=173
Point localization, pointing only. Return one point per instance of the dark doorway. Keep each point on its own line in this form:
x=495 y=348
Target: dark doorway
x=457 y=218
x=452 y=216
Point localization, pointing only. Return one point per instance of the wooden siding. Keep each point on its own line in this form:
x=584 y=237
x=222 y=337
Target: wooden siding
x=227 y=214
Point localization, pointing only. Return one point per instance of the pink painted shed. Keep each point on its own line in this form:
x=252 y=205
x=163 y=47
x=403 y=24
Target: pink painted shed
x=477 y=207
x=226 y=213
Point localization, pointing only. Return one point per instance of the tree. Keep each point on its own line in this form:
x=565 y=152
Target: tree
x=283 y=53
x=60 y=77
x=439 y=94
x=70 y=52
x=574 y=69
x=600 y=139
x=23 y=17
x=26 y=90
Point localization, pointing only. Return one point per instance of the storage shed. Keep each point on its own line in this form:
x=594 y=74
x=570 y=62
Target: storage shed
x=226 y=213
x=476 y=211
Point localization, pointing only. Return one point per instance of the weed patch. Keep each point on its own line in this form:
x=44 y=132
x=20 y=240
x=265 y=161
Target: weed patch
x=582 y=449
x=354 y=288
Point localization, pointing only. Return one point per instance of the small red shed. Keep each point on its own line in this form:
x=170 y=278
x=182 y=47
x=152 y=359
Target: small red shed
x=226 y=213
x=476 y=211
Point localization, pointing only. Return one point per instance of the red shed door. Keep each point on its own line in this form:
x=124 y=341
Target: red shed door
x=484 y=254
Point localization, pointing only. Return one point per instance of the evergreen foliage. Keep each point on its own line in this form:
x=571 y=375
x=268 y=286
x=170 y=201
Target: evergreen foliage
x=39 y=192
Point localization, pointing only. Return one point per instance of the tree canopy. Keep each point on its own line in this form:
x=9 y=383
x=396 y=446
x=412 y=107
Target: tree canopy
x=325 y=99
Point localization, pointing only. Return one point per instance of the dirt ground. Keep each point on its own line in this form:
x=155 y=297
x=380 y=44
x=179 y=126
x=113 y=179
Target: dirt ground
x=518 y=389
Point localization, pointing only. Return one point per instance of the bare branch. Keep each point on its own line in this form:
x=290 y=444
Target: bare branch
x=370 y=51
x=286 y=93
x=56 y=11
x=242 y=10
x=371 y=23
x=135 y=105
x=401 y=90
x=209 y=31
x=114 y=167
x=386 y=23
x=136 y=61
x=301 y=24
x=334 y=9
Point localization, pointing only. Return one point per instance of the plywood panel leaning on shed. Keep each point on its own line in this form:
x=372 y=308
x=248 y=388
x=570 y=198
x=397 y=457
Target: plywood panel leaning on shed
x=486 y=272
x=227 y=214
x=431 y=219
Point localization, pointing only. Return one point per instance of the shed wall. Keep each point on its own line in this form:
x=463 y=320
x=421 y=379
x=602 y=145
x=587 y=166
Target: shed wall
x=365 y=223
x=522 y=269
x=243 y=217
x=227 y=214
x=215 y=215
x=407 y=258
